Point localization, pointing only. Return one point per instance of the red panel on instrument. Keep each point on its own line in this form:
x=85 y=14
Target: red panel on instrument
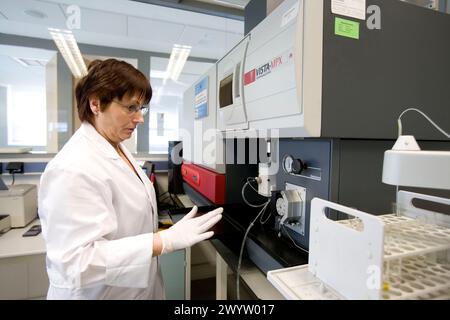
x=208 y=183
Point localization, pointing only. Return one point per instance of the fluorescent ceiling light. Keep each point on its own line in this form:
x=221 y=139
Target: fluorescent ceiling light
x=158 y=74
x=35 y=14
x=30 y=62
x=177 y=61
x=67 y=45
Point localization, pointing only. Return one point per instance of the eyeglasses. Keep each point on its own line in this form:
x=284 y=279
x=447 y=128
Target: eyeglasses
x=134 y=108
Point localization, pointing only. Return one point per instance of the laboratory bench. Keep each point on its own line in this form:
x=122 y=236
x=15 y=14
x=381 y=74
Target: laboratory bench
x=265 y=251
x=23 y=274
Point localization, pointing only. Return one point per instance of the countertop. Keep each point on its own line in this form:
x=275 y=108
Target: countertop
x=12 y=244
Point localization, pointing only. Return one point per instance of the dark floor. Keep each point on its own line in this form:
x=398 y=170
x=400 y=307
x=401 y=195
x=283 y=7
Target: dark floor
x=205 y=289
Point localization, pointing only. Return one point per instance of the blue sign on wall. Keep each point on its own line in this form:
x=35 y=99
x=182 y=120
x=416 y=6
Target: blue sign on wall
x=201 y=99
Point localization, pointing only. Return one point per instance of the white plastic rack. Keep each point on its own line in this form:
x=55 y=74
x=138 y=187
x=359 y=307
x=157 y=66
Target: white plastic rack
x=390 y=257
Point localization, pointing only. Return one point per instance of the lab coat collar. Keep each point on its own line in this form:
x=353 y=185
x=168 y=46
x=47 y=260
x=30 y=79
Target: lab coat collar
x=147 y=184
x=104 y=146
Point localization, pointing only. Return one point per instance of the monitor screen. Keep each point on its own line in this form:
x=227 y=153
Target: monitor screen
x=226 y=92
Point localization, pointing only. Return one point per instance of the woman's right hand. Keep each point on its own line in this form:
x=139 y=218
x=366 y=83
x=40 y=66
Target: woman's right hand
x=189 y=230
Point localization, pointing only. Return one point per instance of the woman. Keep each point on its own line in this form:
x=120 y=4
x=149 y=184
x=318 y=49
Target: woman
x=98 y=208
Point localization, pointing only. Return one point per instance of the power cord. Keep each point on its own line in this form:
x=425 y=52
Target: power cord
x=248 y=183
x=289 y=236
x=166 y=196
x=238 y=295
x=400 y=132
x=259 y=216
x=250 y=180
x=400 y=128
x=267 y=219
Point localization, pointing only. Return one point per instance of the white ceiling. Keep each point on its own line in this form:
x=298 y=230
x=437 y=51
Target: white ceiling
x=126 y=24
x=14 y=74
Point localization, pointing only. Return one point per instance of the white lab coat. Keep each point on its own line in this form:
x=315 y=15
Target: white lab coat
x=98 y=220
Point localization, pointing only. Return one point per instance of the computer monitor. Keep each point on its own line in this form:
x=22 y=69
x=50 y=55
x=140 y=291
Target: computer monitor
x=149 y=169
x=174 y=167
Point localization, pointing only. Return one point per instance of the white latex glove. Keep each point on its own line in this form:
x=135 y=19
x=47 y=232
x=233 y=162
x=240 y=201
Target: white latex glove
x=189 y=230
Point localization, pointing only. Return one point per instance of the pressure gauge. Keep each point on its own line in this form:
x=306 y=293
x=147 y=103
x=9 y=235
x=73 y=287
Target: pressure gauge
x=287 y=163
x=293 y=166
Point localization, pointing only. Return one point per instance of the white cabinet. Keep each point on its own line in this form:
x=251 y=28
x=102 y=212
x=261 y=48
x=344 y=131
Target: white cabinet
x=23 y=277
x=22 y=265
x=173 y=268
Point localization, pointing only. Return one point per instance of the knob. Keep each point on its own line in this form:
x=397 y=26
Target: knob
x=298 y=166
x=293 y=166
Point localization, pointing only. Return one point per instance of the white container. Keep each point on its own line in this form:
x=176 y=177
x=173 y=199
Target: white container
x=20 y=202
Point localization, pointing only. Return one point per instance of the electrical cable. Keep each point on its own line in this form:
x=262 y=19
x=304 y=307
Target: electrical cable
x=259 y=216
x=163 y=198
x=287 y=232
x=267 y=219
x=249 y=180
x=245 y=199
x=163 y=194
x=248 y=183
x=400 y=128
x=173 y=201
x=166 y=196
x=238 y=296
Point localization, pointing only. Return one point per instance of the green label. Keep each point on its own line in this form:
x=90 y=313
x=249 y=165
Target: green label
x=346 y=28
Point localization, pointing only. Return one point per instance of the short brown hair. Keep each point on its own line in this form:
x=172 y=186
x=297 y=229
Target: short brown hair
x=108 y=80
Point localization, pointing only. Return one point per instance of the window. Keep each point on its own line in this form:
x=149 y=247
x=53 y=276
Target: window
x=24 y=86
x=168 y=100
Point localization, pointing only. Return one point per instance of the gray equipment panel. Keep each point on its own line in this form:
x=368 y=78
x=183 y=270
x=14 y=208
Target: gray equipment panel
x=351 y=172
x=317 y=154
x=368 y=82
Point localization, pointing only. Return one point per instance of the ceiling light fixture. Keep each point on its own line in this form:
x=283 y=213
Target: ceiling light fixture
x=35 y=14
x=30 y=62
x=67 y=45
x=177 y=60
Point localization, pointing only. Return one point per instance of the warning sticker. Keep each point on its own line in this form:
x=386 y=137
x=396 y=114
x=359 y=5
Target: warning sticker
x=349 y=8
x=269 y=67
x=346 y=28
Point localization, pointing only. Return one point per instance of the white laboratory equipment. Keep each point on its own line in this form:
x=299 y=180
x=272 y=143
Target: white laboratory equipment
x=261 y=82
x=310 y=70
x=20 y=203
x=403 y=255
x=202 y=143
